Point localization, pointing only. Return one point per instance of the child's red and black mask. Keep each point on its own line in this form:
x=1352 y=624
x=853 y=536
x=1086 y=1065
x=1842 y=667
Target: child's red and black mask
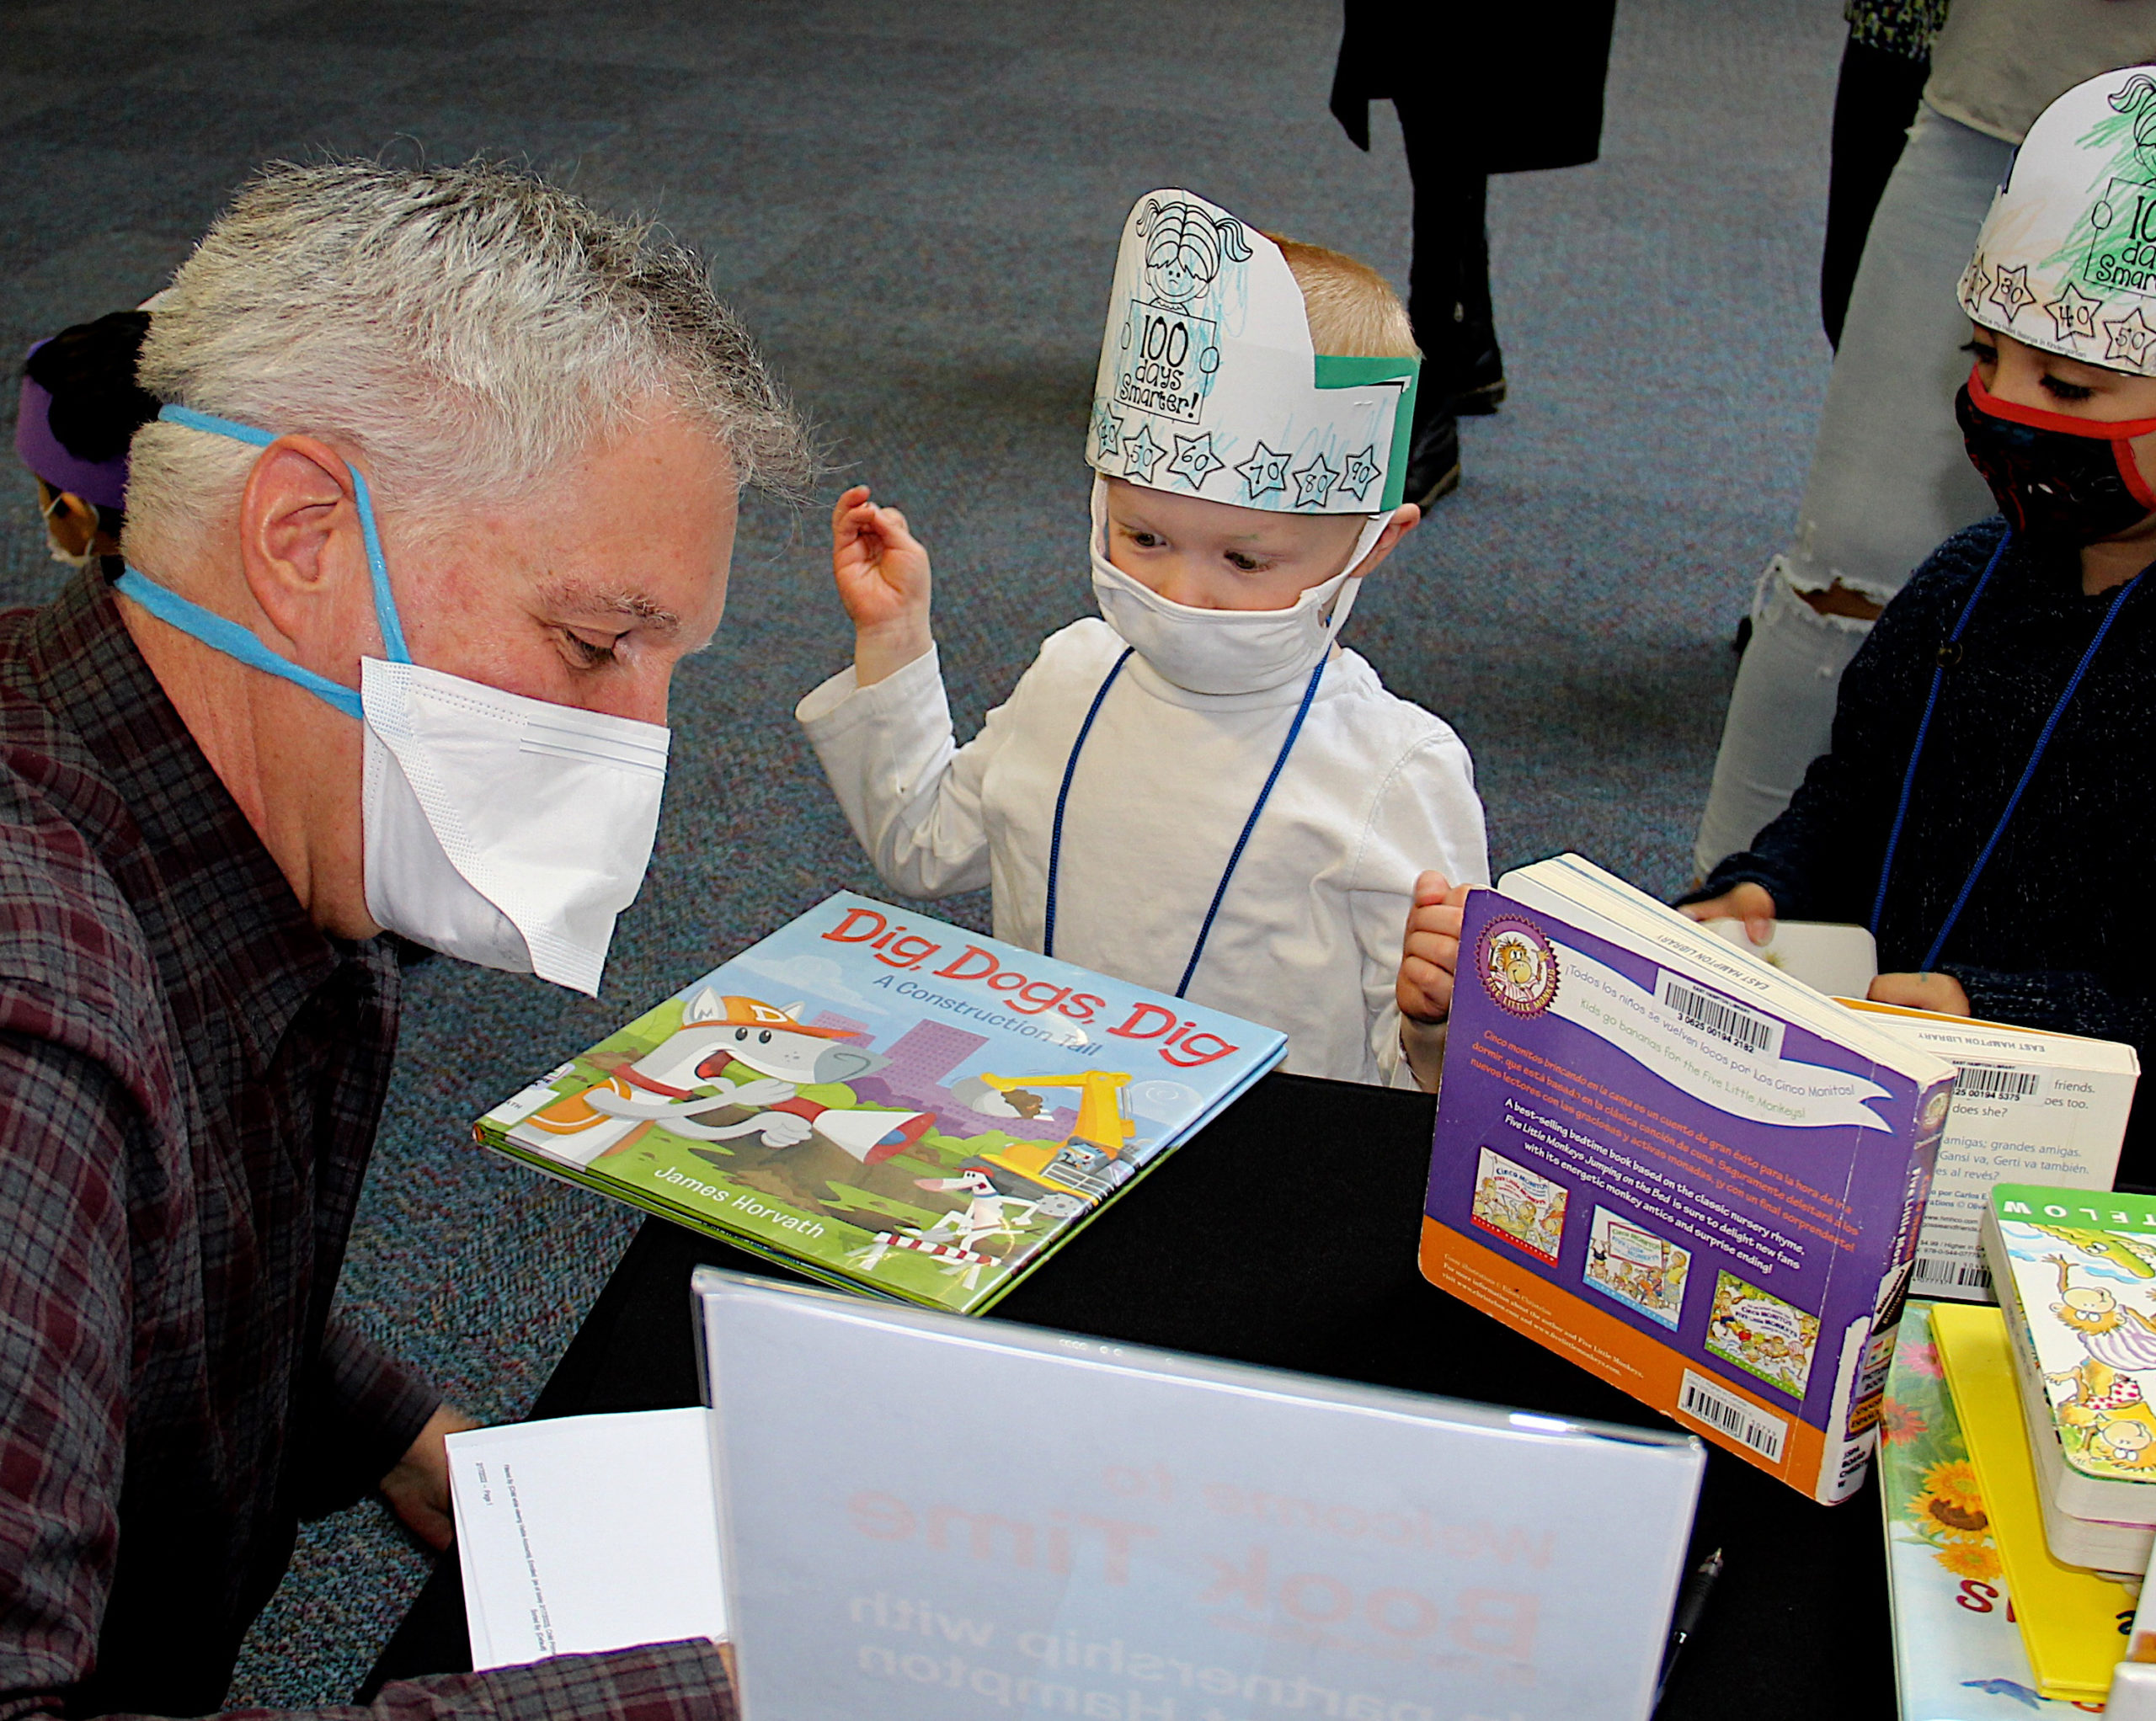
x=2061 y=479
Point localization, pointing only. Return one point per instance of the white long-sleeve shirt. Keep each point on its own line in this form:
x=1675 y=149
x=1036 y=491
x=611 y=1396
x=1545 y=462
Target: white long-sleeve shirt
x=1308 y=937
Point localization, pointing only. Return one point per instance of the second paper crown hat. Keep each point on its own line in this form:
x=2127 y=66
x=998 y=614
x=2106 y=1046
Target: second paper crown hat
x=2066 y=259
x=1209 y=385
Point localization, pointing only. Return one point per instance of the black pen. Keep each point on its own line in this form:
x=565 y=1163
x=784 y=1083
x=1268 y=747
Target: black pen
x=1691 y=1602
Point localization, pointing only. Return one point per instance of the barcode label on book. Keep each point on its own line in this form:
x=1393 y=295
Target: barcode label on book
x=1962 y=1275
x=1703 y=1401
x=1712 y=1014
x=1988 y=1081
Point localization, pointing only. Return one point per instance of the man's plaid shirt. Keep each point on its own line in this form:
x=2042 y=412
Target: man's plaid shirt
x=190 y=1076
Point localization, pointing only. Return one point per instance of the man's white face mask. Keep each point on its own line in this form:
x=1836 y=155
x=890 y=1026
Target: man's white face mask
x=501 y=830
x=1225 y=651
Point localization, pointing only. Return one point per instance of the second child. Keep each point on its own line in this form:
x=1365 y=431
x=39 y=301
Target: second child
x=1202 y=792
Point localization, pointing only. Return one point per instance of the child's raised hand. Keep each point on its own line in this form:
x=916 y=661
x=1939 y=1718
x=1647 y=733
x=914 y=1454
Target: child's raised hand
x=1429 y=959
x=882 y=572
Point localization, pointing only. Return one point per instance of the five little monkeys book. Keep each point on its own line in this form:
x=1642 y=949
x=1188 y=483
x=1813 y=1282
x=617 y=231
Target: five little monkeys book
x=886 y=1102
x=1670 y=1163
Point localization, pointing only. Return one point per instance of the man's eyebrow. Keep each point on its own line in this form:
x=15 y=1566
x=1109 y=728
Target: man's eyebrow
x=573 y=599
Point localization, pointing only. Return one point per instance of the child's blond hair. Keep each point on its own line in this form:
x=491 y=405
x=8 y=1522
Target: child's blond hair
x=1353 y=309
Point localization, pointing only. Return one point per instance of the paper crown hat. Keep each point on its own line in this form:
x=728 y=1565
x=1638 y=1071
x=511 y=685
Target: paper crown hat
x=2066 y=259
x=1208 y=384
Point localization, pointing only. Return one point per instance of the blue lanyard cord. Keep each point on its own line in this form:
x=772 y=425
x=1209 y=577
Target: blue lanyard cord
x=1924 y=729
x=1063 y=796
x=1249 y=824
x=1242 y=842
x=2028 y=770
x=231 y=639
x=385 y=603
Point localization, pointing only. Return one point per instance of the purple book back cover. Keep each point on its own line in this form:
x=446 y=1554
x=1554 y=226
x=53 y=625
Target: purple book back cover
x=1720 y=1205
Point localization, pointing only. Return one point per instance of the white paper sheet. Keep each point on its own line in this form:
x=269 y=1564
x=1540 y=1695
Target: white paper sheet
x=1839 y=960
x=583 y=1533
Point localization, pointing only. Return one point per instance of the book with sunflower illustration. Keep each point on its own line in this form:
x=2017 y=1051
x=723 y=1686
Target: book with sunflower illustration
x=1675 y=1165
x=2073 y=1622
x=1958 y=1654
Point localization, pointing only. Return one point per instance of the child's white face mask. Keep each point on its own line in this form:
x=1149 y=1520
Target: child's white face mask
x=1225 y=651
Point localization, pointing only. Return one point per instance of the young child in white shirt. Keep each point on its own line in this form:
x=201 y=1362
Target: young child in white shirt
x=1203 y=793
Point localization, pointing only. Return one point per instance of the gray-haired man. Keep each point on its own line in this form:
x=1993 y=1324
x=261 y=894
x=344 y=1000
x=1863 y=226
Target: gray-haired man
x=443 y=489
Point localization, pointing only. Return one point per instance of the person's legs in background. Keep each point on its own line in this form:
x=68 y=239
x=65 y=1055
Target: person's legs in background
x=1447 y=300
x=1889 y=478
x=1475 y=369
x=1875 y=100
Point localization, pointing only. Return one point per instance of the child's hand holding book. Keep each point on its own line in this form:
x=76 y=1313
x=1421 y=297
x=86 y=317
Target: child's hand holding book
x=1429 y=958
x=1753 y=905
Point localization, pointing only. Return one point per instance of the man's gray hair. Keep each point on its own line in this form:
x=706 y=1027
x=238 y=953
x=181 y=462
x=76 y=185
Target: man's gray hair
x=465 y=331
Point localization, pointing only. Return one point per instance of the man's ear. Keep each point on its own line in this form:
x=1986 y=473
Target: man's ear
x=299 y=536
x=1405 y=518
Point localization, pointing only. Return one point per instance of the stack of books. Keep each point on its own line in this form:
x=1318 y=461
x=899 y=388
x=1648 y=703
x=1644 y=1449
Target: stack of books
x=2019 y=1459
x=1671 y=1157
x=2075 y=1270
x=1967 y=1637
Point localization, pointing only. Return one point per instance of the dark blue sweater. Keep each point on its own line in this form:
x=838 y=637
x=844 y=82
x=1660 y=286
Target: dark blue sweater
x=2055 y=935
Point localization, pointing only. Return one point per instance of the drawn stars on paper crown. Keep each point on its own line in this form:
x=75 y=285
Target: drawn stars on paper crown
x=1267 y=472
x=1107 y=433
x=2009 y=289
x=2125 y=339
x=1314 y=483
x=1141 y=454
x=1195 y=461
x=1358 y=470
x=2074 y=312
x=2130 y=335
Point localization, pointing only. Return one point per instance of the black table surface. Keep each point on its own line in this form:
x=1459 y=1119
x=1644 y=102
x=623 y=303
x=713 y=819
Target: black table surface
x=1285 y=1235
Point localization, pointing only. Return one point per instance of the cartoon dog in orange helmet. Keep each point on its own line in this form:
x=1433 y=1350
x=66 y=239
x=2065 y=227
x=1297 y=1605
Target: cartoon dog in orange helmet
x=684 y=1075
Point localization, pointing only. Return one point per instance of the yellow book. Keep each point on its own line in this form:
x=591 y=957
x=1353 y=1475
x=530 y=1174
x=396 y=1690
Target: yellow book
x=2072 y=1622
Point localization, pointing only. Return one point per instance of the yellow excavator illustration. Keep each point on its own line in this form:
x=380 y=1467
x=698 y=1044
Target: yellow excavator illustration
x=1088 y=1163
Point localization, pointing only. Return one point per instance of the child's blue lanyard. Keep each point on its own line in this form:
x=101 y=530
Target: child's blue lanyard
x=1063 y=798
x=1948 y=653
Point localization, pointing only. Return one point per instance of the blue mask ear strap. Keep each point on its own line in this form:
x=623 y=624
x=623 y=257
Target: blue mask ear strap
x=231 y=639
x=188 y=419
x=385 y=601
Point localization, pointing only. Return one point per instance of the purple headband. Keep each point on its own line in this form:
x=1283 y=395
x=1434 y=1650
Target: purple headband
x=104 y=482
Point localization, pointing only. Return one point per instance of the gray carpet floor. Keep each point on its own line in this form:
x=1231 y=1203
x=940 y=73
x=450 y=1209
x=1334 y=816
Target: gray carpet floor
x=915 y=208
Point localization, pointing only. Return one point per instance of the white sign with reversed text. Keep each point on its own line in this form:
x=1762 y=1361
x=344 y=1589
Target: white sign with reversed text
x=935 y=1519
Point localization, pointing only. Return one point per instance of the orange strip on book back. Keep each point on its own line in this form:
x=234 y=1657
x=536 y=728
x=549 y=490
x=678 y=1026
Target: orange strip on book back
x=1605 y=1346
